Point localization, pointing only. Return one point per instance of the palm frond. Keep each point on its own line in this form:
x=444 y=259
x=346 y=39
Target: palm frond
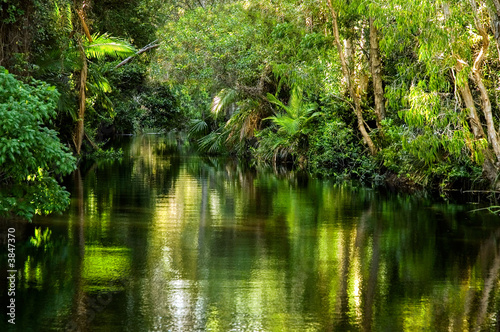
x=273 y=147
x=276 y=101
x=296 y=115
x=103 y=45
x=69 y=21
x=62 y=17
x=285 y=139
x=99 y=80
x=99 y=86
x=286 y=124
x=212 y=143
x=57 y=11
x=309 y=118
x=57 y=61
x=197 y=127
x=245 y=120
x=222 y=101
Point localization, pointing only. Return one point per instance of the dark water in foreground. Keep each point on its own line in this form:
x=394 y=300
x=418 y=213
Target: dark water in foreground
x=166 y=242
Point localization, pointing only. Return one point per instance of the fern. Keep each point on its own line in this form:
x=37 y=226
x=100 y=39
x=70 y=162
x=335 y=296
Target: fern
x=296 y=116
x=287 y=138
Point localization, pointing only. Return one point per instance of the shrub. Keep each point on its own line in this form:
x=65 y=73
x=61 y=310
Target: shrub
x=31 y=155
x=336 y=152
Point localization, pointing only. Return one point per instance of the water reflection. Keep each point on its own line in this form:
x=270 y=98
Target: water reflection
x=164 y=241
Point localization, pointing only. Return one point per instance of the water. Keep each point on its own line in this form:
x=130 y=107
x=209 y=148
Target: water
x=163 y=241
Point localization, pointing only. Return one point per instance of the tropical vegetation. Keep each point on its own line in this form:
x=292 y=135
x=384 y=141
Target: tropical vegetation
x=404 y=93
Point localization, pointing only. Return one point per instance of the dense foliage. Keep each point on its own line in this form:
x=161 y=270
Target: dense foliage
x=398 y=91
x=389 y=103
x=31 y=155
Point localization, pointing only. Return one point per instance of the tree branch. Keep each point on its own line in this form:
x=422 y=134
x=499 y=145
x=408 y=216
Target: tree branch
x=142 y=50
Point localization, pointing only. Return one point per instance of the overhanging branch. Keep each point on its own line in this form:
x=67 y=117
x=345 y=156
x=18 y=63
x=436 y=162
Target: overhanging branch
x=142 y=50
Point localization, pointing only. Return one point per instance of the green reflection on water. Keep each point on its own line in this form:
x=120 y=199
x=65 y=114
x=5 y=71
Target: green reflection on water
x=166 y=241
x=103 y=267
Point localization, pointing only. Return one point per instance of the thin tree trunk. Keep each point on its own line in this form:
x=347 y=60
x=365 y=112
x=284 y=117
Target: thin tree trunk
x=485 y=99
x=350 y=83
x=490 y=171
x=94 y=145
x=79 y=129
x=488 y=115
x=361 y=127
x=376 y=69
x=495 y=23
x=474 y=120
x=476 y=74
x=84 y=25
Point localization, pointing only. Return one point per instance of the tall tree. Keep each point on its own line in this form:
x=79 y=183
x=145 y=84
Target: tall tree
x=376 y=71
x=346 y=56
x=478 y=79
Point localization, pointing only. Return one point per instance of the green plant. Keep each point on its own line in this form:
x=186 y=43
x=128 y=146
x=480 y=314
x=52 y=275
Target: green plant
x=336 y=152
x=160 y=109
x=243 y=116
x=429 y=165
x=106 y=155
x=291 y=128
x=31 y=155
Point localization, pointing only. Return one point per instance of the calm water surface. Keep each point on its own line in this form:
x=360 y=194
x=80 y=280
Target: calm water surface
x=163 y=241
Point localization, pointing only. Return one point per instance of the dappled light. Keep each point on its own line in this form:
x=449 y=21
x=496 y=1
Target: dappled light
x=250 y=165
x=178 y=242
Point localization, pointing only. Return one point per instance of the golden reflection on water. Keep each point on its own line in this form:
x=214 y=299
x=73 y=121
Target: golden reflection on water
x=181 y=243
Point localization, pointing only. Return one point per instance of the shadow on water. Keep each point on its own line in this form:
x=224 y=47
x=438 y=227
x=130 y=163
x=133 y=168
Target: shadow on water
x=164 y=240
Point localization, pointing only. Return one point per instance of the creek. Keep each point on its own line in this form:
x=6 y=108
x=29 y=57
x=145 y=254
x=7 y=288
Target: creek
x=164 y=240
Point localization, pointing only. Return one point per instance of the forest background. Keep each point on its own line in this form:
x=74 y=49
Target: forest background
x=398 y=93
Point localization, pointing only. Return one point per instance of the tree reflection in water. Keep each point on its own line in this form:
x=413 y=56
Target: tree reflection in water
x=172 y=241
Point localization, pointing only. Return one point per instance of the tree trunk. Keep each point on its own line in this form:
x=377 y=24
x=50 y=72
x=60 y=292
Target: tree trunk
x=485 y=99
x=84 y=25
x=79 y=129
x=142 y=50
x=376 y=69
x=361 y=125
x=350 y=82
x=490 y=125
x=495 y=22
x=474 y=120
x=489 y=169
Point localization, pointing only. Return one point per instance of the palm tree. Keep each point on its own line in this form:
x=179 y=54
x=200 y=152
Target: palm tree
x=291 y=127
x=99 y=47
x=75 y=60
x=234 y=118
